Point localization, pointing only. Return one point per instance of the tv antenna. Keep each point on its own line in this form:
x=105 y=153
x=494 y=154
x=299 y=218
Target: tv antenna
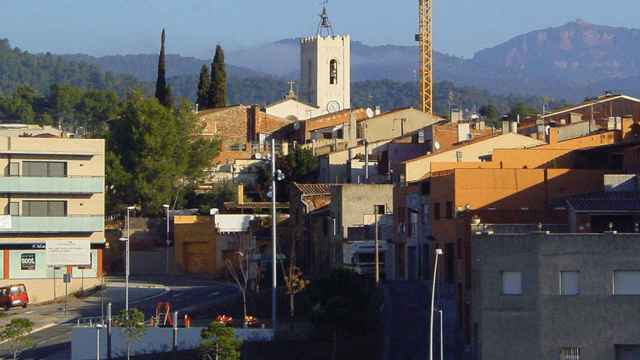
x=325 y=28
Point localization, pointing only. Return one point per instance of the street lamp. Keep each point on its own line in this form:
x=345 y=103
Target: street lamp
x=98 y=328
x=433 y=297
x=126 y=252
x=166 y=207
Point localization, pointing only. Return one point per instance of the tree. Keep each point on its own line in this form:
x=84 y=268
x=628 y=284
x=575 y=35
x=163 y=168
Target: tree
x=132 y=325
x=16 y=334
x=218 y=86
x=163 y=93
x=521 y=110
x=240 y=274
x=62 y=103
x=490 y=113
x=294 y=283
x=203 y=88
x=161 y=150
x=339 y=303
x=219 y=343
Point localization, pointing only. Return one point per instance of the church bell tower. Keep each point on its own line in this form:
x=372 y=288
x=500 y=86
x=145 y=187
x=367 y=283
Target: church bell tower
x=325 y=78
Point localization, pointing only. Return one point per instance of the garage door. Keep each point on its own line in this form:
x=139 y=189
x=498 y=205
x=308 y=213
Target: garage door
x=196 y=257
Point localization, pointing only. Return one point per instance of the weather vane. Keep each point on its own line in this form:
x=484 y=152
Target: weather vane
x=325 y=28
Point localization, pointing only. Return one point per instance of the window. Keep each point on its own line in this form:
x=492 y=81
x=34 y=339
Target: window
x=333 y=72
x=569 y=283
x=14 y=169
x=436 y=211
x=570 y=353
x=449 y=210
x=14 y=208
x=379 y=209
x=44 y=208
x=44 y=169
x=511 y=283
x=626 y=283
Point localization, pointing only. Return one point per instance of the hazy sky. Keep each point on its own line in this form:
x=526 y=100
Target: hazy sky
x=462 y=27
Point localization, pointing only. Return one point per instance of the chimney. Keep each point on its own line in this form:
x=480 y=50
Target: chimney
x=240 y=194
x=514 y=127
x=378 y=110
x=464 y=132
x=540 y=128
x=505 y=126
x=553 y=136
x=455 y=115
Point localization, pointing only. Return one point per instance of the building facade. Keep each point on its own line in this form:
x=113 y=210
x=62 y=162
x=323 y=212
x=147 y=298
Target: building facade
x=52 y=190
x=556 y=296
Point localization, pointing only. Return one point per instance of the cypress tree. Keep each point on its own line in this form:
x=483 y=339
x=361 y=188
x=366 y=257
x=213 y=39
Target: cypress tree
x=218 y=86
x=162 y=91
x=203 y=88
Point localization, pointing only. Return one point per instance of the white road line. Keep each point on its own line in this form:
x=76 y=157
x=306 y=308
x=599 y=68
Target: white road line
x=215 y=293
x=29 y=312
x=44 y=327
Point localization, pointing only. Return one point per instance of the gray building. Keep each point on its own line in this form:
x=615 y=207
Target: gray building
x=354 y=211
x=556 y=296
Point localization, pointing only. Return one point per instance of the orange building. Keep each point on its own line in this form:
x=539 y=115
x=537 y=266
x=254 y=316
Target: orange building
x=514 y=186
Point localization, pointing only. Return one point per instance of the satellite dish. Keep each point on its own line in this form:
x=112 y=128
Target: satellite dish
x=258 y=156
x=370 y=113
x=436 y=145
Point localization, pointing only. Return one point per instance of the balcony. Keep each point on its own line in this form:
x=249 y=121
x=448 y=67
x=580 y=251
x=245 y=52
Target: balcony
x=51 y=185
x=53 y=224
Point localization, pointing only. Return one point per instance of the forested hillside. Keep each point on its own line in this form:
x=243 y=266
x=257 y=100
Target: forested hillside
x=40 y=72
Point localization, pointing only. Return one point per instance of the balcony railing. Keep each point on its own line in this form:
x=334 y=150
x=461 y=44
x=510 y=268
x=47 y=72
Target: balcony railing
x=51 y=224
x=51 y=185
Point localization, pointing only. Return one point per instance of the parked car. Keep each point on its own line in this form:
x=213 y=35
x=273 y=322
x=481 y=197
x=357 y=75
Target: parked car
x=14 y=295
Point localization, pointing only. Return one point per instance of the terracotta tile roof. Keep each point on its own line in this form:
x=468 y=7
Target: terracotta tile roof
x=314 y=189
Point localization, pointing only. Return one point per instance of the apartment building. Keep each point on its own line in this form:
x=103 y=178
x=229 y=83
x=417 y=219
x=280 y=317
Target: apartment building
x=51 y=189
x=539 y=295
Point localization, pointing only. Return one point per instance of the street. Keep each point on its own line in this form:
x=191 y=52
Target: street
x=53 y=341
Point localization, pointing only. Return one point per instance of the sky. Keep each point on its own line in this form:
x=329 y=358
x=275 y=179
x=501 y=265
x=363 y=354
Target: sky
x=106 y=27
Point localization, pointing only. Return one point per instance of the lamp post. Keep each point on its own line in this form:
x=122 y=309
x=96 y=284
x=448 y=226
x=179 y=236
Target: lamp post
x=433 y=297
x=126 y=260
x=274 y=248
x=167 y=242
x=377 y=244
x=98 y=328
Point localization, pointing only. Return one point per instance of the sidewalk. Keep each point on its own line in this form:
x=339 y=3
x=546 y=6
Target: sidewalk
x=48 y=315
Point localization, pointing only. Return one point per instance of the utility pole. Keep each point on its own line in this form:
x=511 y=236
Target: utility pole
x=377 y=244
x=433 y=297
x=274 y=248
x=166 y=207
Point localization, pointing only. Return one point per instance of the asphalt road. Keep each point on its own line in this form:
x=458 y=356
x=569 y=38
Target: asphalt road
x=54 y=342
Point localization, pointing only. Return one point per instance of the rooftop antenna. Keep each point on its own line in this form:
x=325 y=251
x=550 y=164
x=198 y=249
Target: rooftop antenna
x=325 y=28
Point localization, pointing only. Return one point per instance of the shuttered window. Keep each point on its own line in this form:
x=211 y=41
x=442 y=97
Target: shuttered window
x=570 y=353
x=569 y=283
x=44 y=169
x=44 y=208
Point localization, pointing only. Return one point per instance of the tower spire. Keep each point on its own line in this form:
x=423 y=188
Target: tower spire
x=325 y=28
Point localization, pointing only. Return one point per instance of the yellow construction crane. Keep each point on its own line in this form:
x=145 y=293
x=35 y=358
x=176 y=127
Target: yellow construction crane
x=425 y=56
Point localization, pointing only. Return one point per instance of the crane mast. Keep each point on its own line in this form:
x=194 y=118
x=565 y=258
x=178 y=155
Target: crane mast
x=425 y=54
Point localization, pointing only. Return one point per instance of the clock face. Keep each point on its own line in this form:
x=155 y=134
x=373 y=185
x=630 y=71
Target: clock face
x=333 y=106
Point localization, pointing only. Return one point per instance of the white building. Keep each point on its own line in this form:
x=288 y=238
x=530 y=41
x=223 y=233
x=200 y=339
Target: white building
x=325 y=76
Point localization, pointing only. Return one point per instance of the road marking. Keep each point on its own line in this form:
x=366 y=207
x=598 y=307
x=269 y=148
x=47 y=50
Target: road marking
x=29 y=312
x=215 y=293
x=44 y=327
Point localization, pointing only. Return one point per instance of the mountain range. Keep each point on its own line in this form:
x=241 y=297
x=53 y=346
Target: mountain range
x=572 y=61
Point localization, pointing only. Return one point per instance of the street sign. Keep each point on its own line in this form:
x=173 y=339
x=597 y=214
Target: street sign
x=68 y=252
x=67 y=278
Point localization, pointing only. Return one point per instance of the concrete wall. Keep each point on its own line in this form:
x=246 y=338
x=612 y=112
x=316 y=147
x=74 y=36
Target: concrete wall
x=395 y=124
x=195 y=244
x=156 y=340
x=538 y=323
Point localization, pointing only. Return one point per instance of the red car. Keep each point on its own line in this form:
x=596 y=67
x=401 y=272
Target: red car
x=14 y=295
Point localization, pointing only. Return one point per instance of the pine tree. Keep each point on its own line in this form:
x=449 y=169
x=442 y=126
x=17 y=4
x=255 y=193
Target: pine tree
x=162 y=90
x=218 y=86
x=203 y=88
